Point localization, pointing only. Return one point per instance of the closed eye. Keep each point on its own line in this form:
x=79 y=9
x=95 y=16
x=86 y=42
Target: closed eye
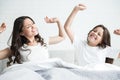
x=99 y=34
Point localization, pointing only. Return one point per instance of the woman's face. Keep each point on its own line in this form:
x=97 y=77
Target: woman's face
x=95 y=36
x=29 y=28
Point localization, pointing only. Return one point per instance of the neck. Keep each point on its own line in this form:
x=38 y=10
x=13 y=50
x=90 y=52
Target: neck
x=32 y=42
x=90 y=44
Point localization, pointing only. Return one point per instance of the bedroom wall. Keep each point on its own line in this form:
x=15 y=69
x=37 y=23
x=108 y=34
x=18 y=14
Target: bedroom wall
x=105 y=12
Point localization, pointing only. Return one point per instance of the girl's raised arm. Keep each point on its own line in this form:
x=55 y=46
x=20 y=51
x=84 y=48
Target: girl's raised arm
x=69 y=20
x=117 y=31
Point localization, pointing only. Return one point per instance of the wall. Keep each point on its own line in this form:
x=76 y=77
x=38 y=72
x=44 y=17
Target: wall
x=105 y=12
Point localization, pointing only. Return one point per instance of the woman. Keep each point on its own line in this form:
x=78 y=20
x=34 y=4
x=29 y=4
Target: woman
x=26 y=41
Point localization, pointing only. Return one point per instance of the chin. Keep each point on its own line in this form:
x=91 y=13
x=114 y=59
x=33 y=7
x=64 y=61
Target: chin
x=91 y=40
x=36 y=33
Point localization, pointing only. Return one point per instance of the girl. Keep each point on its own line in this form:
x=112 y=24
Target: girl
x=97 y=46
x=26 y=43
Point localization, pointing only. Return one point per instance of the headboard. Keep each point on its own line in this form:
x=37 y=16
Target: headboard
x=65 y=55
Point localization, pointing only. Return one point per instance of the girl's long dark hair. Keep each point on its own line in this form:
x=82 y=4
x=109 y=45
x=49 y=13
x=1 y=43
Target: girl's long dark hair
x=106 y=37
x=17 y=40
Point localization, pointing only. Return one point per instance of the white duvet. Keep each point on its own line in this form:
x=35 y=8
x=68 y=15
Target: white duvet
x=56 y=69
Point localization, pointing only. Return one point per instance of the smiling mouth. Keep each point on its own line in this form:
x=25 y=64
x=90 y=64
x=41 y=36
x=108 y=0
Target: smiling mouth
x=92 y=36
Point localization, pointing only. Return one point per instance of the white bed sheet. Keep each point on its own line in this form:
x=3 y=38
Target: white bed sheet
x=56 y=69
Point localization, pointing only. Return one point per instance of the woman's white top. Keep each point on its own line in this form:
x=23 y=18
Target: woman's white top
x=35 y=53
x=86 y=54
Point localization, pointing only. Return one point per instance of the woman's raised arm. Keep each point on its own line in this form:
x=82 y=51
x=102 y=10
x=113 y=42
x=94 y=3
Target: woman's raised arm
x=61 y=36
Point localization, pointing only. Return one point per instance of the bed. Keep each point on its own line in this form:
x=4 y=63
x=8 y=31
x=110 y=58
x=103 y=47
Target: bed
x=60 y=69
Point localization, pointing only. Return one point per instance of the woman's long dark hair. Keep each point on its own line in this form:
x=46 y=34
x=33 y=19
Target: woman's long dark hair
x=17 y=40
x=106 y=37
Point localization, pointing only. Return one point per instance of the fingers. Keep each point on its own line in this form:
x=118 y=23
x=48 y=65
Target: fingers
x=50 y=20
x=117 y=31
x=2 y=27
x=80 y=7
x=46 y=19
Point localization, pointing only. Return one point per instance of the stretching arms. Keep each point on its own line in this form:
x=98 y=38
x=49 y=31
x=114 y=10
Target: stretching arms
x=5 y=52
x=69 y=20
x=61 y=35
x=117 y=32
x=2 y=27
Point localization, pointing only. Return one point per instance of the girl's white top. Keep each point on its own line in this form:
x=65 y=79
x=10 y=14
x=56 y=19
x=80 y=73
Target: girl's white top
x=86 y=54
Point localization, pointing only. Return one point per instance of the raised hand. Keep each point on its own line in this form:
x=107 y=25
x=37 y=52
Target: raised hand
x=80 y=7
x=117 y=31
x=2 y=27
x=51 y=20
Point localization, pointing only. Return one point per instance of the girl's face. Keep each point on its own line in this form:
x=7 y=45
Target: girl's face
x=95 y=36
x=29 y=29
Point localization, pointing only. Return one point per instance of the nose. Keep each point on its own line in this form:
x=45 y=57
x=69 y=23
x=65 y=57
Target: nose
x=34 y=28
x=95 y=34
